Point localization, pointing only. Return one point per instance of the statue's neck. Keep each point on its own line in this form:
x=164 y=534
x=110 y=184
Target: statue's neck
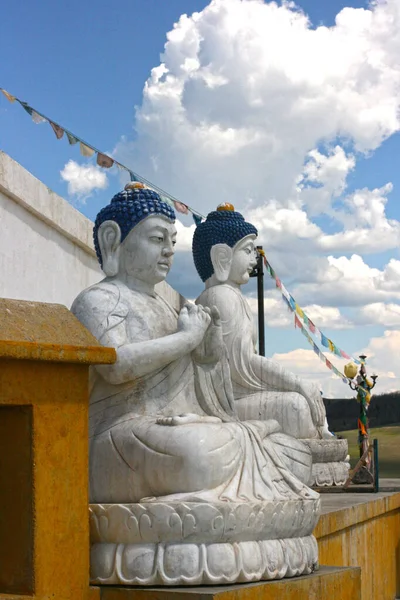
x=213 y=281
x=135 y=284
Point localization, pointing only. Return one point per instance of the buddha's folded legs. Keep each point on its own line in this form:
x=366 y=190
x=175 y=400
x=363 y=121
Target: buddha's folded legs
x=139 y=458
x=290 y=409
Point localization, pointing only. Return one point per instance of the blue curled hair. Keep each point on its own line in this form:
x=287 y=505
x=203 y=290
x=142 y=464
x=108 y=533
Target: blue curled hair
x=220 y=227
x=127 y=209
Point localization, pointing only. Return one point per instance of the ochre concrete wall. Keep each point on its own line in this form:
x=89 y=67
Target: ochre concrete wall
x=365 y=535
x=45 y=355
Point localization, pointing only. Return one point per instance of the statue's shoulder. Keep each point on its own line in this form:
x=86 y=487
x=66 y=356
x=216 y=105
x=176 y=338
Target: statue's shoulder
x=96 y=305
x=102 y=295
x=224 y=297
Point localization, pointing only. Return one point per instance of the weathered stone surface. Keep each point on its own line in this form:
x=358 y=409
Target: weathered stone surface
x=165 y=433
x=224 y=254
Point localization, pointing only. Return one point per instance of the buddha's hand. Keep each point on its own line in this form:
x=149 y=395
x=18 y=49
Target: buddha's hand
x=312 y=394
x=187 y=418
x=212 y=346
x=194 y=321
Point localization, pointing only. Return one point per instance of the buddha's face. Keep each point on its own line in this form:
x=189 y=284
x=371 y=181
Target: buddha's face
x=146 y=253
x=244 y=260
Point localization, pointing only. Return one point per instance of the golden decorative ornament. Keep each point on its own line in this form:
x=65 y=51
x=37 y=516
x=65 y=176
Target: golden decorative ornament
x=350 y=370
x=225 y=206
x=134 y=185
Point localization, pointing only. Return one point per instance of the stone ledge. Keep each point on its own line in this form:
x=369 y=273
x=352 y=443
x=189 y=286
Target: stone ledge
x=47 y=332
x=370 y=507
x=329 y=583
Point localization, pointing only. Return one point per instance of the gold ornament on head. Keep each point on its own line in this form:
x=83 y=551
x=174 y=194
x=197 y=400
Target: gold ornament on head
x=132 y=185
x=225 y=206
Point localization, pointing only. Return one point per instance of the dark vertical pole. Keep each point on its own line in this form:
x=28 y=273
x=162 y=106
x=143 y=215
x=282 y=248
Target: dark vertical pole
x=260 y=297
x=376 y=466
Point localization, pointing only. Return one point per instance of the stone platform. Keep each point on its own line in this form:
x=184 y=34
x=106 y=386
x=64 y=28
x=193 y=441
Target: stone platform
x=328 y=583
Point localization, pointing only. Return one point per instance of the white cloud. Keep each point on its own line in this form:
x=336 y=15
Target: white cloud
x=351 y=282
x=379 y=313
x=328 y=174
x=366 y=226
x=327 y=317
x=382 y=353
x=383 y=357
x=277 y=314
x=83 y=180
x=306 y=364
x=247 y=90
x=254 y=106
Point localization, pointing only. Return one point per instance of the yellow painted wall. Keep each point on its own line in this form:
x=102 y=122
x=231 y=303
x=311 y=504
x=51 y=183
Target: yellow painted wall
x=45 y=355
x=365 y=535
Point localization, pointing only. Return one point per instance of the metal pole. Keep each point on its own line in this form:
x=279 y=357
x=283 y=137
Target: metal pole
x=376 y=466
x=260 y=298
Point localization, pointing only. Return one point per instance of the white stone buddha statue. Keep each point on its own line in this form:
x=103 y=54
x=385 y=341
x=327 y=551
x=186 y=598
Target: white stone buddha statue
x=182 y=491
x=224 y=254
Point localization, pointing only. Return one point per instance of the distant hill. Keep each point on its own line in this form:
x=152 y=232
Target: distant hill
x=342 y=413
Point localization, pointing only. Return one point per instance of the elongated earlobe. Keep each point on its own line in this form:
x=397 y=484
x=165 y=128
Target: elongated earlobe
x=109 y=237
x=221 y=258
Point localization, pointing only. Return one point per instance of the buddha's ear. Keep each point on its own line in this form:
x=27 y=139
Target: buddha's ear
x=109 y=238
x=221 y=258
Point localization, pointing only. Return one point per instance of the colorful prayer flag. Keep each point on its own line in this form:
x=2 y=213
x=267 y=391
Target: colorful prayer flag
x=86 y=150
x=299 y=311
x=9 y=97
x=104 y=161
x=36 y=118
x=59 y=131
x=180 y=207
x=26 y=107
x=196 y=218
x=71 y=138
x=324 y=341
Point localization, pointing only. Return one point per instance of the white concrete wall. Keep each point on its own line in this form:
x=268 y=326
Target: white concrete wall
x=46 y=248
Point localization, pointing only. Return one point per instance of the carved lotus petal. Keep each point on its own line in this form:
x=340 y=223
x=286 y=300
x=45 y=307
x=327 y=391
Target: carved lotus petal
x=189 y=525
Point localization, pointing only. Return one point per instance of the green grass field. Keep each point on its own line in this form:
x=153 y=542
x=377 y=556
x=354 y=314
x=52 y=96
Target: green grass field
x=389 y=448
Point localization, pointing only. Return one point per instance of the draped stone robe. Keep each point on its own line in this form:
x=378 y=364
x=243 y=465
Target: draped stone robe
x=133 y=458
x=262 y=388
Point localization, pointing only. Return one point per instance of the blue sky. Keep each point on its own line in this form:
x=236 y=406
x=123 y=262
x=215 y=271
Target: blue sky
x=85 y=65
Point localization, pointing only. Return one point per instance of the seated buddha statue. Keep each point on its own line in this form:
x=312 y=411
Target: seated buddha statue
x=224 y=255
x=164 y=432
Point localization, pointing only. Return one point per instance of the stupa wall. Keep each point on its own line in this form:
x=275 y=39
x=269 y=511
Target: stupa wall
x=46 y=247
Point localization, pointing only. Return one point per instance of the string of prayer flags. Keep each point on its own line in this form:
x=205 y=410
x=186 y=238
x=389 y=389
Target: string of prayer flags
x=102 y=159
x=308 y=323
x=317 y=351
